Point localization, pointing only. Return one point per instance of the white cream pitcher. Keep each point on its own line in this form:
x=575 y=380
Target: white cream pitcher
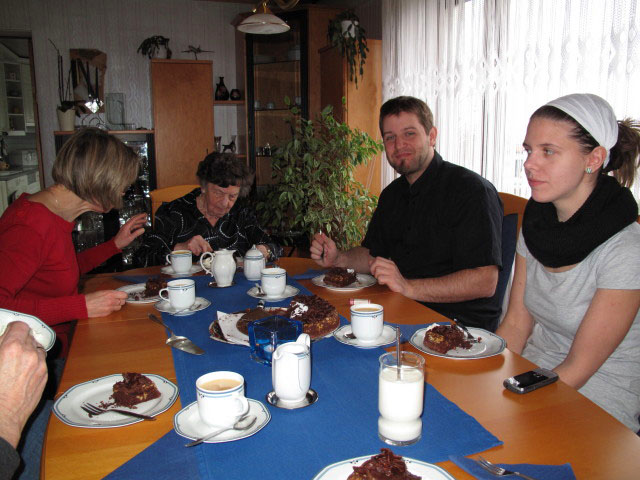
x=291 y=370
x=222 y=266
x=254 y=262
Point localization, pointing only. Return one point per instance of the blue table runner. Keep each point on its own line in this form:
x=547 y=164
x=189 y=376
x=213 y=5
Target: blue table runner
x=295 y=444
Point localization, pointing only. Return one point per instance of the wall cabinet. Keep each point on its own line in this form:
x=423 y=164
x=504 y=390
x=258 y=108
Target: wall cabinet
x=14 y=93
x=279 y=66
x=182 y=97
x=362 y=102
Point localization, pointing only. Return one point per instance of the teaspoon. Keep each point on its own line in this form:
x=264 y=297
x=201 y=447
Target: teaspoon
x=244 y=423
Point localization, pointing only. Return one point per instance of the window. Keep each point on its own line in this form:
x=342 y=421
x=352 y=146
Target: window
x=484 y=66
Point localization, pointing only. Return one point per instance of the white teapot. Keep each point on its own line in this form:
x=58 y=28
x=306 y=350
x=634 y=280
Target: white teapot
x=254 y=262
x=291 y=370
x=221 y=266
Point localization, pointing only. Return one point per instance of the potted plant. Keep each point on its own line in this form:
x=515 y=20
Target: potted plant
x=346 y=33
x=66 y=107
x=155 y=47
x=315 y=189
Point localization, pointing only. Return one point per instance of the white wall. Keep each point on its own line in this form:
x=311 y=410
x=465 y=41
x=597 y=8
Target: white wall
x=117 y=27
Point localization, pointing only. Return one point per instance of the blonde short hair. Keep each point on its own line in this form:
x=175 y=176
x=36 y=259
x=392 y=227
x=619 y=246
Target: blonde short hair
x=96 y=166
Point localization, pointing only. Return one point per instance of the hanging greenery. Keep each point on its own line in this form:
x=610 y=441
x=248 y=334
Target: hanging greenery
x=346 y=33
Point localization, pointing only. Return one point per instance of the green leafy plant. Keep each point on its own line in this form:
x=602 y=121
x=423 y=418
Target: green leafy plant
x=152 y=45
x=315 y=189
x=346 y=33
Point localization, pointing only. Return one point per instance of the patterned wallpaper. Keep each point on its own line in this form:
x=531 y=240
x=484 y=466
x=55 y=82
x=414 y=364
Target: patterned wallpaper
x=117 y=27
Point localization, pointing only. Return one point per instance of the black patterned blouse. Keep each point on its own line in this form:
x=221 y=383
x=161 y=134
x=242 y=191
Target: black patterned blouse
x=180 y=220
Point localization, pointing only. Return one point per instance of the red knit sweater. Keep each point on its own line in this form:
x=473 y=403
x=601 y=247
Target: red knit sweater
x=39 y=268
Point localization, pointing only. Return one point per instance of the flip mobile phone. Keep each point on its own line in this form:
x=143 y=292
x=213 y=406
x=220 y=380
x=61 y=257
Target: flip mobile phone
x=529 y=381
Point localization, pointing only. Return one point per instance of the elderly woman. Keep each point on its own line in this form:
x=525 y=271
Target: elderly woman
x=208 y=218
x=37 y=258
x=576 y=289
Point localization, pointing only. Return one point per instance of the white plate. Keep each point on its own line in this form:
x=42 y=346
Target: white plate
x=289 y=291
x=200 y=304
x=67 y=407
x=363 y=280
x=131 y=290
x=187 y=423
x=388 y=336
x=168 y=270
x=341 y=470
x=41 y=331
x=490 y=345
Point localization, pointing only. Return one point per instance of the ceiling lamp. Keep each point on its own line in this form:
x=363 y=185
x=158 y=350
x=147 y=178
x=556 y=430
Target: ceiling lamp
x=265 y=22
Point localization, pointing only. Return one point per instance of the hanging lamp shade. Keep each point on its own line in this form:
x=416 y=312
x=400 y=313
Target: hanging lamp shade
x=263 y=23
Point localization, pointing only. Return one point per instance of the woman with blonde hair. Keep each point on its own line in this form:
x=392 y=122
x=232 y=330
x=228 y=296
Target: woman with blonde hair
x=576 y=290
x=41 y=268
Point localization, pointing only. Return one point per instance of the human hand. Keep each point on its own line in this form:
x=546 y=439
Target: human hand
x=103 y=302
x=323 y=250
x=387 y=273
x=23 y=376
x=132 y=229
x=196 y=244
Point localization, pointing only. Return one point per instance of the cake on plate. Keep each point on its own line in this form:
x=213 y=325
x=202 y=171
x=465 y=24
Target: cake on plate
x=443 y=338
x=340 y=277
x=154 y=285
x=384 y=466
x=318 y=317
x=134 y=389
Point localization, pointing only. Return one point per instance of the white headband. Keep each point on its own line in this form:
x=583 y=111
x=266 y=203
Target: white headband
x=594 y=114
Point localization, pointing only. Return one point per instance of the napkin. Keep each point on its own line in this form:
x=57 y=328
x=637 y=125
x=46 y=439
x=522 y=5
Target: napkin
x=227 y=322
x=542 y=472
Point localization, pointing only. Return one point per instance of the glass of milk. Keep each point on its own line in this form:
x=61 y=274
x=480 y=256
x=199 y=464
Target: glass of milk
x=400 y=398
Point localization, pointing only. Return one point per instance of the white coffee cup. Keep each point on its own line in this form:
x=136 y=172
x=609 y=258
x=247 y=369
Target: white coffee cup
x=367 y=321
x=273 y=281
x=221 y=400
x=180 y=293
x=180 y=261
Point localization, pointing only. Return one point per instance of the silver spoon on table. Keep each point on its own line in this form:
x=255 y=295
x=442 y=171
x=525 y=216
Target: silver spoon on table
x=175 y=341
x=244 y=423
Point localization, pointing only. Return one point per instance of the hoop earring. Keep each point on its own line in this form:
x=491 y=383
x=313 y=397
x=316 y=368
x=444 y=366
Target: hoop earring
x=588 y=170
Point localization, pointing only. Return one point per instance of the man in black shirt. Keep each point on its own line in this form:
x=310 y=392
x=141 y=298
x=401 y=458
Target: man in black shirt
x=436 y=234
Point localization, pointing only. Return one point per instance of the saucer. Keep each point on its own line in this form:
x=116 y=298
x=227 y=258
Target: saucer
x=289 y=291
x=309 y=399
x=168 y=270
x=187 y=423
x=388 y=336
x=213 y=284
x=42 y=332
x=165 y=306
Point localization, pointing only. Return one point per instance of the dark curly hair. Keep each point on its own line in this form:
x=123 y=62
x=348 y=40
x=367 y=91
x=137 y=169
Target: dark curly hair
x=225 y=170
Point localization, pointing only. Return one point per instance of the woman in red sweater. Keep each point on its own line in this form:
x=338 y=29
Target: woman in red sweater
x=39 y=265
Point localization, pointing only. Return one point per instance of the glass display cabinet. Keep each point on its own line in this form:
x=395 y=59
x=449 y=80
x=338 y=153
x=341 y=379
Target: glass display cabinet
x=277 y=67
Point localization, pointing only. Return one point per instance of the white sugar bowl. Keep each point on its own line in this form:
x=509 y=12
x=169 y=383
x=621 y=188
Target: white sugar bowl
x=254 y=262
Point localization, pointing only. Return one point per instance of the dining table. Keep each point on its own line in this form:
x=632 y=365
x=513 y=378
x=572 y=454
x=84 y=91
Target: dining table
x=553 y=425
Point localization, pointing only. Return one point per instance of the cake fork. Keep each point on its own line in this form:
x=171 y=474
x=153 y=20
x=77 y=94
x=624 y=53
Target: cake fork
x=499 y=471
x=470 y=337
x=94 y=410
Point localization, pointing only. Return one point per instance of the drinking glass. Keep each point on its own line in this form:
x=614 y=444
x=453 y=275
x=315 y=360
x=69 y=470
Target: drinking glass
x=400 y=398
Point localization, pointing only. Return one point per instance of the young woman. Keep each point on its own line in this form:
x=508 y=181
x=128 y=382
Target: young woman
x=576 y=290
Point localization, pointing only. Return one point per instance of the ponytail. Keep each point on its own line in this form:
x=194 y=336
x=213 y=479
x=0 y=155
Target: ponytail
x=624 y=159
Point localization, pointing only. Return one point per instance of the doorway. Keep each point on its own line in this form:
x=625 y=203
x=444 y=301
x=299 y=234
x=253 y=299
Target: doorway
x=20 y=151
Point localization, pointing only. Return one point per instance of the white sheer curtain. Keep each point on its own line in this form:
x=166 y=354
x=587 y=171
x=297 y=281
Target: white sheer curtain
x=484 y=66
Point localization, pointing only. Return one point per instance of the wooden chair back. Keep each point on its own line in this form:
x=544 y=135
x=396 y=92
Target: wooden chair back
x=168 y=194
x=513 y=204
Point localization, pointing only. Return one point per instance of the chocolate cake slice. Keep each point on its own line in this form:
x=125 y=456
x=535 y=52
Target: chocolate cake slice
x=134 y=389
x=340 y=277
x=318 y=317
x=443 y=338
x=386 y=465
x=154 y=285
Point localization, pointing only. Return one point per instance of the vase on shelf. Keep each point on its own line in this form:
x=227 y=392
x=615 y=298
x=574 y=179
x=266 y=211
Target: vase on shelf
x=235 y=94
x=67 y=119
x=221 y=90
